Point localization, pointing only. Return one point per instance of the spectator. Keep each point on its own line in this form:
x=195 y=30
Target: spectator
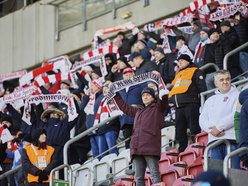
x=209 y=56
x=90 y=109
x=182 y=48
x=243 y=137
x=7 y=149
x=107 y=134
x=165 y=66
x=241 y=27
x=141 y=65
x=116 y=71
x=147 y=125
x=187 y=86
x=126 y=44
x=131 y=96
x=217 y=117
x=228 y=41
x=200 y=48
x=38 y=159
x=23 y=140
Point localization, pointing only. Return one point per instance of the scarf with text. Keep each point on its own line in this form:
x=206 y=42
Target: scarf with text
x=149 y=76
x=55 y=98
x=13 y=75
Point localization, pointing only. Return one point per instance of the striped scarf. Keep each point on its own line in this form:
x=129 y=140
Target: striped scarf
x=106 y=110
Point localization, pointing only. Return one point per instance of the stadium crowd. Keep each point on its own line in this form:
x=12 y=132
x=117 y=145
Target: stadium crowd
x=35 y=128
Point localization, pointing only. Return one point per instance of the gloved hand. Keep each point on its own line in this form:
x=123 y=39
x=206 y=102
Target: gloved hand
x=43 y=176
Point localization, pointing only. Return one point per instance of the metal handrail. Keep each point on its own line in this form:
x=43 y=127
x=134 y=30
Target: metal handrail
x=210 y=65
x=212 y=145
x=79 y=136
x=59 y=168
x=234 y=51
x=12 y=171
x=227 y=163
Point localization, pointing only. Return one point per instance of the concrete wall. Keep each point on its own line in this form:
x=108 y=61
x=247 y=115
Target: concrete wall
x=28 y=35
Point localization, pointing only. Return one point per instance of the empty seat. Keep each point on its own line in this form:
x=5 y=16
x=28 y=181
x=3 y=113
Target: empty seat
x=196 y=167
x=84 y=175
x=167 y=137
x=125 y=181
x=202 y=138
x=180 y=167
x=167 y=158
x=169 y=177
x=184 y=181
x=121 y=162
x=103 y=168
x=191 y=153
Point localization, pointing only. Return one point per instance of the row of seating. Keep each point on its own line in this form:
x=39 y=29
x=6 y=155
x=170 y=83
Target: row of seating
x=176 y=168
x=172 y=163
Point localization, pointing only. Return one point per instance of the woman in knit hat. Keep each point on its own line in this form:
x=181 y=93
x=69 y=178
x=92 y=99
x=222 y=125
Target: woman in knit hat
x=38 y=159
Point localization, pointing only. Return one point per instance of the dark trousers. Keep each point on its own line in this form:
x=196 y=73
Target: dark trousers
x=127 y=132
x=186 y=117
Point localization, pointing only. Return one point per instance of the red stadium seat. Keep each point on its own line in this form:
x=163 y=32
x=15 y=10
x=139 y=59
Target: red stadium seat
x=125 y=181
x=179 y=167
x=196 y=167
x=184 y=181
x=191 y=153
x=202 y=138
x=167 y=158
x=169 y=177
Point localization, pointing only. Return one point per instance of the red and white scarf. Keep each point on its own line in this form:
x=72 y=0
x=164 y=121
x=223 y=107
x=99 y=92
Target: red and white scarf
x=13 y=75
x=26 y=79
x=42 y=80
x=107 y=110
x=101 y=51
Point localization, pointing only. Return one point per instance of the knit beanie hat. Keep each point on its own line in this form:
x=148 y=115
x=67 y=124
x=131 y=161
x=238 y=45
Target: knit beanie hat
x=36 y=135
x=211 y=31
x=214 y=178
x=185 y=57
x=6 y=118
x=159 y=49
x=225 y=23
x=149 y=91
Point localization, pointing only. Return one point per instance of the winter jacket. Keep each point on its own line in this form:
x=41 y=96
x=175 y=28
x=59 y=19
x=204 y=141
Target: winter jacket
x=228 y=41
x=146 y=66
x=219 y=111
x=166 y=69
x=192 y=96
x=131 y=97
x=148 y=121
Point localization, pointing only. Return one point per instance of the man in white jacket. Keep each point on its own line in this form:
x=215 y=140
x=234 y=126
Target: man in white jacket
x=217 y=117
